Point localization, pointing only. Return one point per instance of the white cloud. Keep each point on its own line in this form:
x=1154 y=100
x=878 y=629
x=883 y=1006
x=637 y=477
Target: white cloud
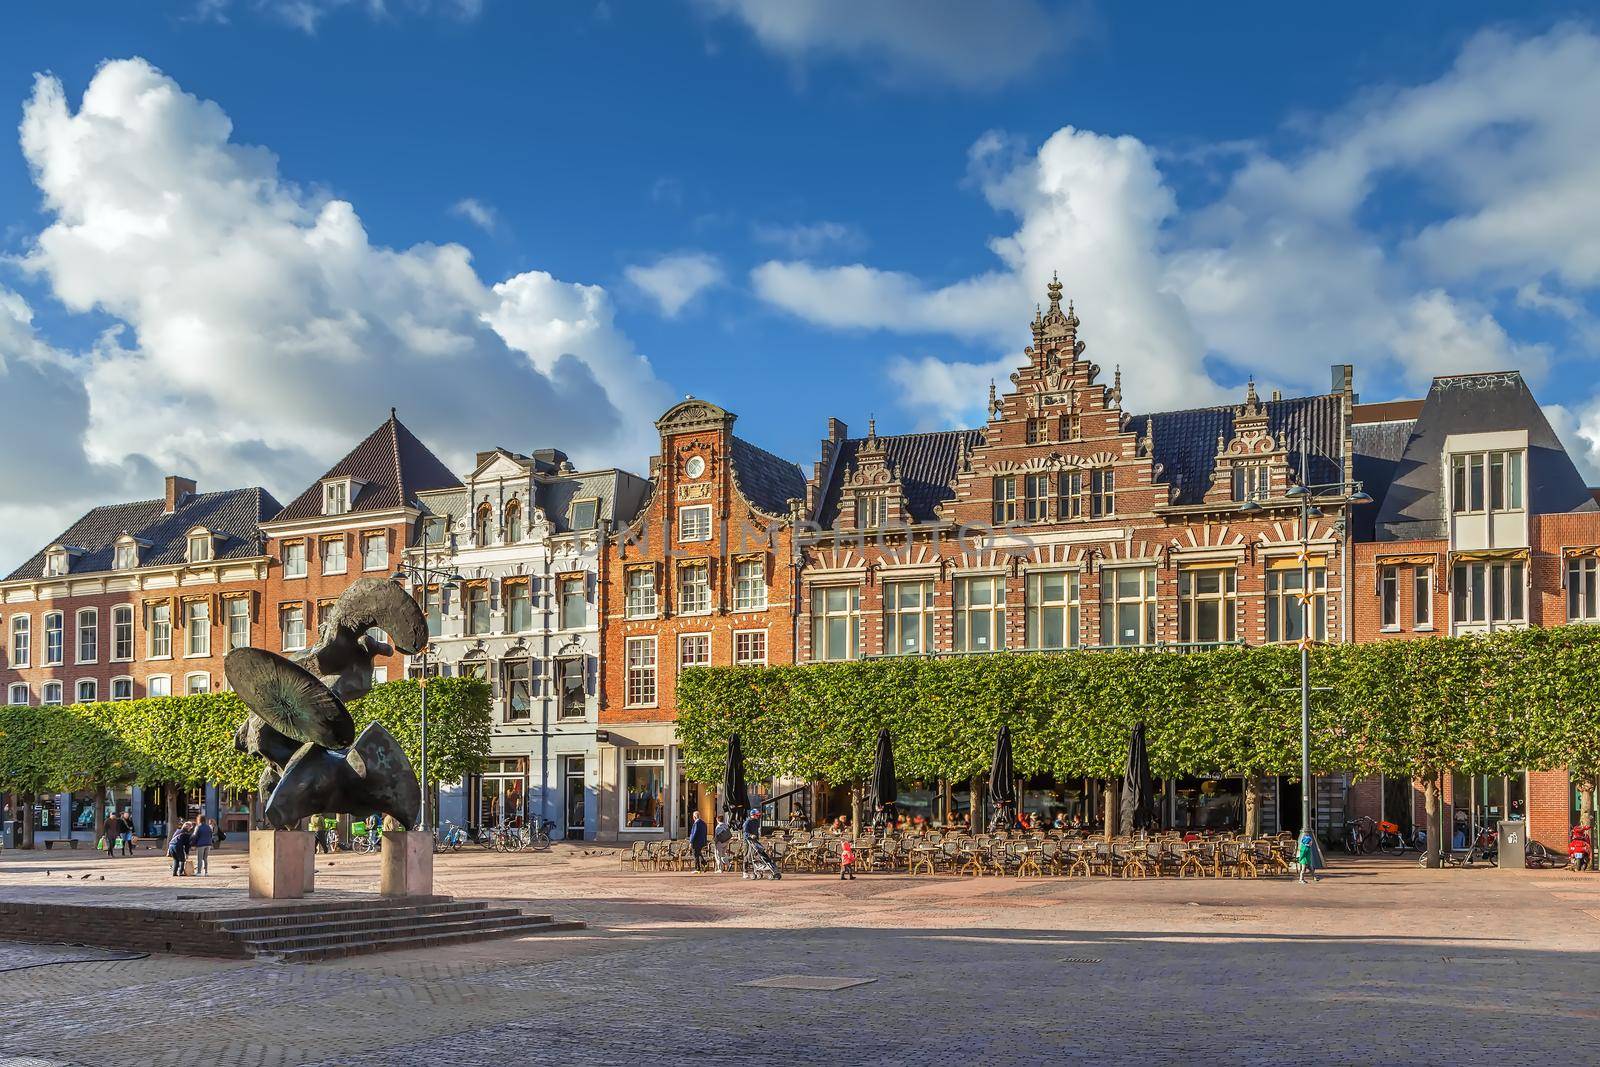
x=1579 y=431
x=911 y=41
x=476 y=212
x=810 y=238
x=674 y=280
x=307 y=15
x=265 y=332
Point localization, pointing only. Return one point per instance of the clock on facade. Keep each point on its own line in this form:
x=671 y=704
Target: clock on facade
x=695 y=467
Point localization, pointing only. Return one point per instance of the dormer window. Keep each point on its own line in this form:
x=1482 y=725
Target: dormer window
x=126 y=554
x=55 y=562
x=872 y=510
x=585 y=512
x=337 y=494
x=200 y=546
x=1251 y=481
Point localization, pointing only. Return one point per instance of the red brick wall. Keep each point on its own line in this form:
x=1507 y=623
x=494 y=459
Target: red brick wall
x=317 y=590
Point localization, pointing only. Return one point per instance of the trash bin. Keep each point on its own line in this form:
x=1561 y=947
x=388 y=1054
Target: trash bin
x=1513 y=844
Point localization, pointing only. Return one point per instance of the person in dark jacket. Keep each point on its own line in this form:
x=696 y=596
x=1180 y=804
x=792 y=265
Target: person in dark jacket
x=204 y=837
x=697 y=841
x=178 y=847
x=113 y=833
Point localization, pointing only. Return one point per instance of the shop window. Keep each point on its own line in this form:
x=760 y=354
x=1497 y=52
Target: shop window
x=501 y=792
x=644 y=788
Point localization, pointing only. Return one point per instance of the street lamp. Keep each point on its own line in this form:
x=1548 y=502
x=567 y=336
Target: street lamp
x=425 y=574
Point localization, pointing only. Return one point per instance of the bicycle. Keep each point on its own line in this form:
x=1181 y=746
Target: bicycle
x=538 y=838
x=449 y=837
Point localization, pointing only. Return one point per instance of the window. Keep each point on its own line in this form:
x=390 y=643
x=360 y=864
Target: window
x=195 y=684
x=574 y=604
x=907 y=618
x=513 y=523
x=585 y=512
x=21 y=639
x=519 y=604
x=1252 y=481
x=55 y=565
x=750 y=585
x=51 y=693
x=694 y=589
x=294 y=628
x=375 y=552
x=88 y=635
x=1389 y=597
x=127 y=556
x=573 y=690
x=1036 y=497
x=1285 y=610
x=54 y=638
x=694 y=650
x=1052 y=609
x=1495 y=475
x=640 y=602
x=980 y=610
x=1038 y=431
x=478 y=608
x=333 y=556
x=1069 y=495
x=158 y=685
x=122 y=688
x=1102 y=492
x=474 y=668
x=1071 y=426
x=435 y=529
x=750 y=648
x=237 y=610
x=1422 y=598
x=122 y=632
x=872 y=510
x=160 y=632
x=836 y=622
x=483 y=526
x=1505 y=481
x=694 y=523
x=18 y=693
x=294 y=559
x=1205 y=604
x=1488 y=592
x=1582 y=605
x=1128 y=606
x=335 y=498
x=644 y=788
x=519 y=690
x=1005 y=500
x=197 y=628
x=88 y=691
x=199 y=547
x=432 y=607
x=640 y=663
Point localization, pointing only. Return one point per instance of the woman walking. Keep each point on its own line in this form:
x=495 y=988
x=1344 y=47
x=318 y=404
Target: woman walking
x=204 y=838
x=178 y=847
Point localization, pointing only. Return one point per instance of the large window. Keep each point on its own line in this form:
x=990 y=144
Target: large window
x=694 y=650
x=1205 y=604
x=88 y=635
x=980 y=614
x=1036 y=497
x=1478 y=478
x=160 y=632
x=1005 y=500
x=294 y=559
x=1069 y=495
x=55 y=638
x=750 y=585
x=694 y=523
x=640 y=602
x=501 y=792
x=1102 y=492
x=836 y=622
x=519 y=689
x=640 y=662
x=197 y=625
x=237 y=610
x=1285 y=618
x=573 y=690
x=519 y=604
x=644 y=787
x=1128 y=606
x=1052 y=609
x=293 y=625
x=375 y=551
x=694 y=589
x=750 y=648
x=1583 y=576
x=907 y=618
x=21 y=640
x=478 y=608
x=574 y=605
x=1488 y=592
x=122 y=632
x=333 y=557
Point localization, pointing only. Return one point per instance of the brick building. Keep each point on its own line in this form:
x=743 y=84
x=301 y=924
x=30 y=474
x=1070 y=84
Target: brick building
x=134 y=600
x=704 y=574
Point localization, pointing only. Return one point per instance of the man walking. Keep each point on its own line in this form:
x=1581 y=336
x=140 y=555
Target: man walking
x=203 y=839
x=697 y=841
x=112 y=834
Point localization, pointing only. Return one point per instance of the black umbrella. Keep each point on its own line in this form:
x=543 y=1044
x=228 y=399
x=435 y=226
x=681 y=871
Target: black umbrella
x=1003 y=777
x=1138 y=788
x=735 y=793
x=884 y=789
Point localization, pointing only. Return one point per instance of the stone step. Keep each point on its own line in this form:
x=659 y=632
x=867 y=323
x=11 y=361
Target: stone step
x=299 y=938
x=302 y=907
x=352 y=917
x=313 y=954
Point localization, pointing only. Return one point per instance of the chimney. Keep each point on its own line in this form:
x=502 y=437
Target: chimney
x=177 y=489
x=837 y=430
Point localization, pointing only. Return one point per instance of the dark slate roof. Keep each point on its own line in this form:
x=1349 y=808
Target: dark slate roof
x=1186 y=441
x=1378 y=448
x=767 y=481
x=234 y=514
x=394 y=464
x=1414 y=505
x=925 y=463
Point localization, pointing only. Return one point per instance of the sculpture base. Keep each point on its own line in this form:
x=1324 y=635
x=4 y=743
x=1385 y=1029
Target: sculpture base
x=281 y=864
x=407 y=864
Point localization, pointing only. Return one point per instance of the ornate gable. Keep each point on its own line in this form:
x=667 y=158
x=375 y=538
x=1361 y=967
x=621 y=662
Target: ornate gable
x=873 y=495
x=1252 y=464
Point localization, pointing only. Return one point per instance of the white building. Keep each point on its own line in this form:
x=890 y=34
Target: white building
x=523 y=535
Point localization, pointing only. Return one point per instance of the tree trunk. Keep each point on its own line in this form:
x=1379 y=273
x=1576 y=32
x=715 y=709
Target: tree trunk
x=1586 y=803
x=100 y=814
x=1112 y=814
x=1252 y=806
x=855 y=812
x=1430 y=805
x=27 y=821
x=169 y=792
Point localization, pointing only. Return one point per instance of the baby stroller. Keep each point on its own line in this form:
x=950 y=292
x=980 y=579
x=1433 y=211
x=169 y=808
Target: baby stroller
x=758 y=862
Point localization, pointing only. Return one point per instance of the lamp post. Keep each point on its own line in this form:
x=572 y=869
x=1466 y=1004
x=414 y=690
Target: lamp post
x=424 y=574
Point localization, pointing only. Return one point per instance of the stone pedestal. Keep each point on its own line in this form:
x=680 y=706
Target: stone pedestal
x=407 y=864
x=281 y=864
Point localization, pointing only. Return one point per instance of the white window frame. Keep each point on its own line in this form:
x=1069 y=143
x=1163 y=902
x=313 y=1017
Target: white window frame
x=162 y=682
x=304 y=565
x=872 y=510
x=122 y=620
x=1251 y=481
x=750 y=585
x=344 y=555
x=21 y=626
x=700 y=644
x=52 y=689
x=190 y=633
x=231 y=616
x=1070 y=606
x=13 y=690
x=1473 y=476
x=125 y=556
x=639 y=600
x=562 y=603
x=1511 y=576
x=1389 y=598
x=1112 y=602
x=336 y=496
x=159 y=631
x=696 y=530
x=381 y=538
x=1581 y=579
x=572 y=513
x=189 y=689
x=284 y=615
x=200 y=546
x=908 y=618
x=92 y=631
x=56 y=563
x=641 y=679
x=59 y=657
x=644 y=756
x=121 y=680
x=822 y=648
x=964 y=613
x=744 y=645
x=694 y=597
x=1422 y=596
x=85 y=685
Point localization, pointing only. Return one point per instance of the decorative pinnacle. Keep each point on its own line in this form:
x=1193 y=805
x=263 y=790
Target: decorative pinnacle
x=1054 y=289
x=872 y=426
x=1250 y=391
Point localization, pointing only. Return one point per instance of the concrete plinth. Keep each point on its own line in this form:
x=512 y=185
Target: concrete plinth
x=407 y=864
x=281 y=864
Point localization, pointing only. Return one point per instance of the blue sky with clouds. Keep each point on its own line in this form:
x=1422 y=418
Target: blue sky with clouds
x=236 y=231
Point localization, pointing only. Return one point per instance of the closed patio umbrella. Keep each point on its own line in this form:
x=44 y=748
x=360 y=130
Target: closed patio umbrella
x=735 y=793
x=884 y=790
x=1003 y=777
x=1138 y=788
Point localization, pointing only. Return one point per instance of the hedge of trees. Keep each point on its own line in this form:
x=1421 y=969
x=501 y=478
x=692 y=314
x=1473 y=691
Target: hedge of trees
x=1496 y=704
x=188 y=741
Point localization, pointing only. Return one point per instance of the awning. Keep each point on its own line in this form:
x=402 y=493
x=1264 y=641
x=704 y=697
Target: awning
x=1415 y=559
x=1291 y=563
x=1489 y=555
x=1580 y=551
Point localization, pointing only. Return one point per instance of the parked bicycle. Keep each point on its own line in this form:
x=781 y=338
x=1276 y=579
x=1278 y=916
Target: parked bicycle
x=449 y=838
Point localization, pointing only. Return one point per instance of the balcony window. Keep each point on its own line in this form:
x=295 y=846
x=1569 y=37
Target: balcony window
x=836 y=622
x=1052 y=609
x=907 y=618
x=980 y=614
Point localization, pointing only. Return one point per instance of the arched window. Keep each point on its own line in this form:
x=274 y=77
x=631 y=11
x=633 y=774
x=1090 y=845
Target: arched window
x=513 y=522
x=484 y=525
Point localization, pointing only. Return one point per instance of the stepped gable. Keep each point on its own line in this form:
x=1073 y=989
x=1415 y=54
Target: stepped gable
x=394 y=467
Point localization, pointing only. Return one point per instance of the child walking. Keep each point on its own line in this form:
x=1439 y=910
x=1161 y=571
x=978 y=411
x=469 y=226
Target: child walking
x=1308 y=856
x=847 y=860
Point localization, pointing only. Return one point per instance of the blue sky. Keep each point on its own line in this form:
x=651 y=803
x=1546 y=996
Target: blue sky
x=535 y=225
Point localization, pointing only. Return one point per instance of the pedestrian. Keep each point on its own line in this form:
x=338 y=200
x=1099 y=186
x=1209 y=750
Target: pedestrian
x=1308 y=856
x=719 y=840
x=178 y=848
x=203 y=839
x=697 y=841
x=847 y=860
x=127 y=832
x=319 y=825
x=111 y=836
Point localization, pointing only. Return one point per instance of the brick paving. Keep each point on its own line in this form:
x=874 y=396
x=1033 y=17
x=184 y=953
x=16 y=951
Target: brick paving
x=1381 y=962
